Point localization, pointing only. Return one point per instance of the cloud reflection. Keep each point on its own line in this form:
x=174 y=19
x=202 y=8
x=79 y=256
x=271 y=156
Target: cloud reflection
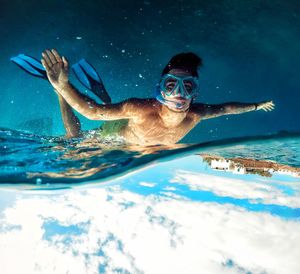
x=113 y=230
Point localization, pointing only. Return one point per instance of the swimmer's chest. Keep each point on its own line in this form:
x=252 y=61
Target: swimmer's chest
x=155 y=128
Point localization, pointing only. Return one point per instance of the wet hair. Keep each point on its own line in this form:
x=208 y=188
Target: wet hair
x=190 y=62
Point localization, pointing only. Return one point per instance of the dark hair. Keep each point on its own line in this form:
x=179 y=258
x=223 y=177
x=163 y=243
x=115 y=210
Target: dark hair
x=187 y=61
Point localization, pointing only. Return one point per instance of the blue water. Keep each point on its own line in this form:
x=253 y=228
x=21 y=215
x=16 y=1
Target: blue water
x=249 y=49
x=75 y=206
x=41 y=160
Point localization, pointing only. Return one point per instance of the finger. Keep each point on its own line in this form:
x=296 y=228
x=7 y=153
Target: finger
x=66 y=63
x=269 y=108
x=56 y=55
x=51 y=57
x=45 y=64
x=46 y=58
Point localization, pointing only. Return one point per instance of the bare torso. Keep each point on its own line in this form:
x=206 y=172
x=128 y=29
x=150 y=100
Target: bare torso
x=156 y=124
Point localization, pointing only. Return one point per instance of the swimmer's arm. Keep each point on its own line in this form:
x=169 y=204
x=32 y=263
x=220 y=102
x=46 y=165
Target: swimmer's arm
x=70 y=120
x=57 y=69
x=94 y=111
x=213 y=111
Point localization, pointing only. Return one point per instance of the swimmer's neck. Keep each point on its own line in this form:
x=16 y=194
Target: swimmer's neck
x=171 y=117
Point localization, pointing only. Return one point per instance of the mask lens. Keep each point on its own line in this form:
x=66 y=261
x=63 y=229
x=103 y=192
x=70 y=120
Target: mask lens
x=169 y=84
x=190 y=85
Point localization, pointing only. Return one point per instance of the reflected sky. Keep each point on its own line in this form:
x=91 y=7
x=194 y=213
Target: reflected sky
x=180 y=216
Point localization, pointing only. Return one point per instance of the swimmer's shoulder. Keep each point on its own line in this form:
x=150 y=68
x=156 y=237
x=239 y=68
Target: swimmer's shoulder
x=197 y=110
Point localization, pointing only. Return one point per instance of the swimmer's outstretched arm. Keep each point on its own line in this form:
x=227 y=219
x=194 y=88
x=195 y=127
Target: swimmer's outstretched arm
x=212 y=111
x=57 y=69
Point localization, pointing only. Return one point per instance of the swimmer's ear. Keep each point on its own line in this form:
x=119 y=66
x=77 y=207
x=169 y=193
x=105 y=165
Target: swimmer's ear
x=66 y=64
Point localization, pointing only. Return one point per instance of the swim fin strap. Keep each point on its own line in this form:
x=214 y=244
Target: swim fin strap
x=30 y=65
x=88 y=76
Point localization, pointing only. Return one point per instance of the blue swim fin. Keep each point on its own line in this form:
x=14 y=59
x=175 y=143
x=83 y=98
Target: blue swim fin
x=30 y=65
x=88 y=76
x=85 y=72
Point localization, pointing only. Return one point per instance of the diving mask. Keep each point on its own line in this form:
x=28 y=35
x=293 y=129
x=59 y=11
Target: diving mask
x=179 y=86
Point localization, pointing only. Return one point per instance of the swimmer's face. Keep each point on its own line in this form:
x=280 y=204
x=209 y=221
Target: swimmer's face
x=177 y=87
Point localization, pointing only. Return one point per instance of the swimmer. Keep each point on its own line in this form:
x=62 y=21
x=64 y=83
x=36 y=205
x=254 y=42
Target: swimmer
x=165 y=119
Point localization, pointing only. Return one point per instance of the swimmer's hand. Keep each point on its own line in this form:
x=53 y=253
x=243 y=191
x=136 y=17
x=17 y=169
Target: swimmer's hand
x=57 y=68
x=266 y=106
